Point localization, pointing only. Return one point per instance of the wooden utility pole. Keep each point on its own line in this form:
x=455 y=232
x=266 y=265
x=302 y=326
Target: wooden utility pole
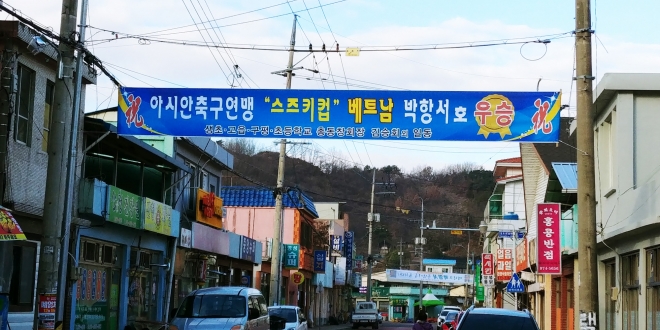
x=54 y=199
x=587 y=267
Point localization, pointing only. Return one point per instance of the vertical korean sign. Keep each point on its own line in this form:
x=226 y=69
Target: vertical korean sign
x=504 y=265
x=488 y=269
x=549 y=254
x=479 y=288
x=335 y=243
x=46 y=313
x=348 y=253
x=291 y=256
x=319 y=261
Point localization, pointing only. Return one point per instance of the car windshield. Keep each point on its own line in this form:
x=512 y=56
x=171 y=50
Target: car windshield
x=451 y=316
x=288 y=314
x=444 y=313
x=497 y=322
x=212 y=306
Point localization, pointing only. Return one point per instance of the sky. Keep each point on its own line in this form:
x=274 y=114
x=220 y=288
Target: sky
x=624 y=42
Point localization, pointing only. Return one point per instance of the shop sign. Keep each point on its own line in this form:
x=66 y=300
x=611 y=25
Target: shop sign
x=46 y=314
x=335 y=241
x=157 y=217
x=480 y=292
x=248 y=247
x=124 y=208
x=209 y=209
x=291 y=256
x=319 y=260
x=521 y=256
x=210 y=239
x=185 y=238
x=297 y=278
x=340 y=271
x=549 y=244
x=380 y=292
x=504 y=265
x=348 y=246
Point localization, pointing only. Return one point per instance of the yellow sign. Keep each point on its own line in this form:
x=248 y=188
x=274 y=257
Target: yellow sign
x=9 y=228
x=457 y=232
x=297 y=278
x=157 y=217
x=209 y=209
x=352 y=51
x=495 y=114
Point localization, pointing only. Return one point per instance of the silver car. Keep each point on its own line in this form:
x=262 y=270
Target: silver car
x=223 y=308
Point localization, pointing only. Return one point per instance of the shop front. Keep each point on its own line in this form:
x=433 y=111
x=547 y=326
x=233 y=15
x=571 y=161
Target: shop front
x=123 y=265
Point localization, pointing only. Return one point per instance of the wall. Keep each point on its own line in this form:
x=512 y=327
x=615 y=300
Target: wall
x=257 y=222
x=513 y=199
x=327 y=210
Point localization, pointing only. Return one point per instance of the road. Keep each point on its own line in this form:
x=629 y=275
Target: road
x=386 y=325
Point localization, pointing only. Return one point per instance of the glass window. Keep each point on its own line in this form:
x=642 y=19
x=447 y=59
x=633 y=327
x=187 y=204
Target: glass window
x=21 y=290
x=24 y=105
x=213 y=306
x=263 y=305
x=48 y=107
x=630 y=274
x=610 y=305
x=289 y=314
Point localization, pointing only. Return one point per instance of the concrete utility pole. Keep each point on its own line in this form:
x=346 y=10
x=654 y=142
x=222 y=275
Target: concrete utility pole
x=400 y=253
x=421 y=255
x=54 y=199
x=289 y=71
x=276 y=264
x=371 y=221
x=587 y=271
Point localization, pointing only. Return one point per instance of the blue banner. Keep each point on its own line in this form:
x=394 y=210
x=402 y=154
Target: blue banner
x=319 y=260
x=340 y=114
x=348 y=245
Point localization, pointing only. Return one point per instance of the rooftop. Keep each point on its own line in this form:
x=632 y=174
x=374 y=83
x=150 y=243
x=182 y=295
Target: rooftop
x=243 y=196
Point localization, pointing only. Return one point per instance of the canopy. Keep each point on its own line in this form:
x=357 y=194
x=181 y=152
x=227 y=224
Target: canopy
x=430 y=300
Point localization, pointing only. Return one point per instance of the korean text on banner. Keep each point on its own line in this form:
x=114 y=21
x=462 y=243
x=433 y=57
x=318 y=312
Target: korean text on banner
x=348 y=247
x=488 y=269
x=504 y=265
x=335 y=241
x=9 y=228
x=124 y=208
x=340 y=114
x=548 y=249
x=521 y=256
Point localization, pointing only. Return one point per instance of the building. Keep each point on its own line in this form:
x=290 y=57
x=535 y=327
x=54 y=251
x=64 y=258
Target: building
x=250 y=212
x=126 y=231
x=25 y=121
x=505 y=216
x=627 y=200
x=550 y=176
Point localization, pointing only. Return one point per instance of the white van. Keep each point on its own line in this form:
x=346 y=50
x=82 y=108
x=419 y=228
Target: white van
x=223 y=308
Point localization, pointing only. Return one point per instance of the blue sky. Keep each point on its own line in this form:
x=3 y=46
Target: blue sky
x=627 y=42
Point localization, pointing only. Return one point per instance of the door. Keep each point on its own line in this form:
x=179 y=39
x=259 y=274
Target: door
x=260 y=321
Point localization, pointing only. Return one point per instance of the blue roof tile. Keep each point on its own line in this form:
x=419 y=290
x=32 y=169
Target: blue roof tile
x=262 y=197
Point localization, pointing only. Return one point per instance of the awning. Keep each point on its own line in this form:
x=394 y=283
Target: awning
x=567 y=175
x=9 y=228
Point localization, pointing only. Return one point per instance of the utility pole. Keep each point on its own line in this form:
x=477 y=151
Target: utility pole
x=401 y=253
x=467 y=271
x=371 y=221
x=289 y=71
x=54 y=199
x=587 y=271
x=421 y=255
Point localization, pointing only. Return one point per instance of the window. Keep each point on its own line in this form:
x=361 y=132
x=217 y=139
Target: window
x=610 y=304
x=606 y=140
x=569 y=293
x=21 y=291
x=48 y=107
x=630 y=274
x=556 y=283
x=212 y=305
x=24 y=105
x=653 y=289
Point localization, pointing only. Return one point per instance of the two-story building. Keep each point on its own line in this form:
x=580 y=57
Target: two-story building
x=26 y=101
x=627 y=200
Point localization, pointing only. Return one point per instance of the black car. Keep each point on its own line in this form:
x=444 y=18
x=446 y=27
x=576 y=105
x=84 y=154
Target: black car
x=496 y=319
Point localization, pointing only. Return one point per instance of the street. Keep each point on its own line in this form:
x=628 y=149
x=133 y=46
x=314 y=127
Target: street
x=388 y=325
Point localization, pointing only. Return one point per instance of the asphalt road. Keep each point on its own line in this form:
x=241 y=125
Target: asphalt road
x=394 y=326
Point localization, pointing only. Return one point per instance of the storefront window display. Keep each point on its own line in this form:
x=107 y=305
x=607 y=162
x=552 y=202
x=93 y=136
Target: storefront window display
x=142 y=287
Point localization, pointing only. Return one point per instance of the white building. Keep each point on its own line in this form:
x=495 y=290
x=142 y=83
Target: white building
x=627 y=110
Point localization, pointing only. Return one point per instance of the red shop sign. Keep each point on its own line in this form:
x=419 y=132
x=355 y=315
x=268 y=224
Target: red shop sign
x=549 y=235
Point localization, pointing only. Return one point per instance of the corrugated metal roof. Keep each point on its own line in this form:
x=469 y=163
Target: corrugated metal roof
x=263 y=197
x=567 y=175
x=440 y=262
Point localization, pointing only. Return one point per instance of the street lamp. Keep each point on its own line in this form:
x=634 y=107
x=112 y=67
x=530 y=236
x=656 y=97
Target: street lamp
x=484 y=228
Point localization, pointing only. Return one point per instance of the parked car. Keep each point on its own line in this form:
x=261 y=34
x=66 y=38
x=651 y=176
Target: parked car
x=496 y=319
x=222 y=308
x=443 y=313
x=292 y=315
